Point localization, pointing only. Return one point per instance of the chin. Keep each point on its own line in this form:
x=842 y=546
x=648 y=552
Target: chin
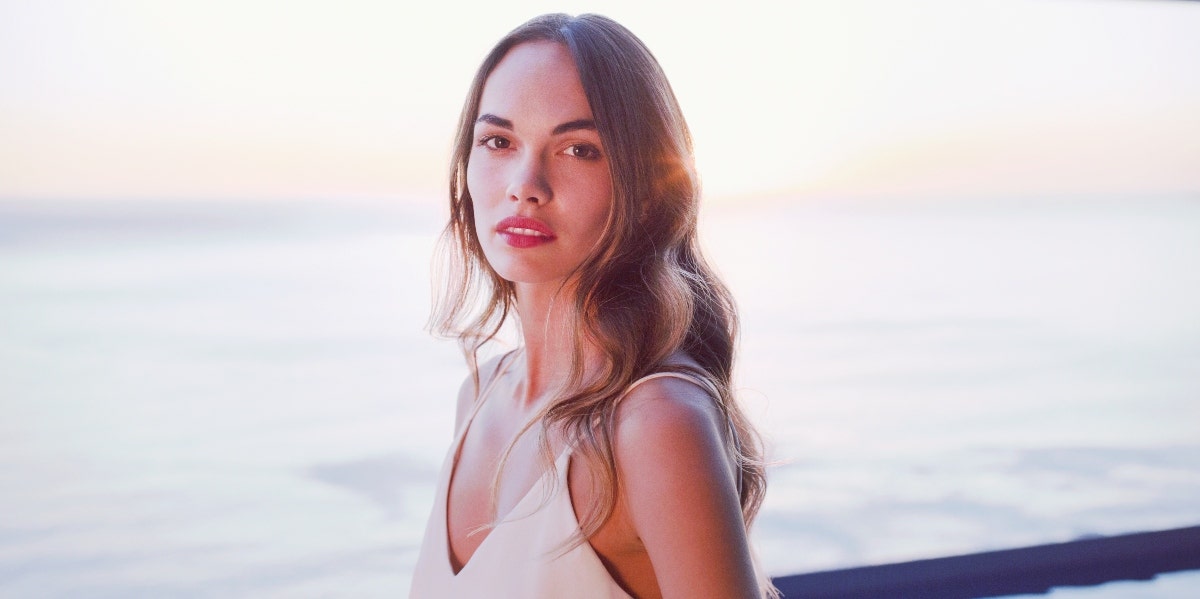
x=522 y=272
x=544 y=266
x=529 y=277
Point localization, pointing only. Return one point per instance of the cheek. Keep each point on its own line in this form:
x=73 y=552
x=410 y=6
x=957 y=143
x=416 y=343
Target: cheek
x=477 y=191
x=599 y=206
x=474 y=184
x=603 y=199
x=484 y=177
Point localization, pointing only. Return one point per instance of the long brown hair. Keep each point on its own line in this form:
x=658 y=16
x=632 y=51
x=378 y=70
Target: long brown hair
x=645 y=292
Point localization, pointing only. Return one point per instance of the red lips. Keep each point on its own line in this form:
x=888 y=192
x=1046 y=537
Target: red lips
x=524 y=232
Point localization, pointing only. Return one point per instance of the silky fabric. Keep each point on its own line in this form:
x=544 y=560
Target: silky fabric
x=523 y=556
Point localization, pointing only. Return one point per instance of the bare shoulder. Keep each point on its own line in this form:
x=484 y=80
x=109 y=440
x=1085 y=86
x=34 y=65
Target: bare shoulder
x=678 y=487
x=658 y=410
x=670 y=426
x=468 y=392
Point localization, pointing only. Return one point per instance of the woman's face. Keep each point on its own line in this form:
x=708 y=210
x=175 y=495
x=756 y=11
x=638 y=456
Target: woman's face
x=537 y=174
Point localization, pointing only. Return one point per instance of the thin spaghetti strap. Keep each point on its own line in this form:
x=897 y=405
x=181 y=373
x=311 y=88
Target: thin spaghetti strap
x=703 y=384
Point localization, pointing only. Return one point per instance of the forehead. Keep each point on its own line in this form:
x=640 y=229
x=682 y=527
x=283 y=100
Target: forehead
x=535 y=82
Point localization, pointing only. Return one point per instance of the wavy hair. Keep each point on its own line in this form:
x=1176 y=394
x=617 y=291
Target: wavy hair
x=644 y=293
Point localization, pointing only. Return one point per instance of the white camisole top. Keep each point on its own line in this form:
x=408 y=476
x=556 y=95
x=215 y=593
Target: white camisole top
x=522 y=557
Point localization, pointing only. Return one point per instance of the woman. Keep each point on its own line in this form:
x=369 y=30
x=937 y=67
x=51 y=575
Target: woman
x=606 y=456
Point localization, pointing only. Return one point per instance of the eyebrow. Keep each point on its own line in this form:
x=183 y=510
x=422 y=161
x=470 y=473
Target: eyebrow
x=575 y=125
x=566 y=127
x=492 y=119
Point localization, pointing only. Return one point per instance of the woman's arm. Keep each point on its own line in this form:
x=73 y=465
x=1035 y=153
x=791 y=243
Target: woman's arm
x=679 y=490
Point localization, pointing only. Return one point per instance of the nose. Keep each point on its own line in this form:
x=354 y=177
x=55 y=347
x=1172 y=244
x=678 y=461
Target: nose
x=528 y=181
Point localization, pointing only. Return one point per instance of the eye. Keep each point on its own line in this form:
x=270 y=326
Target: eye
x=495 y=142
x=583 y=151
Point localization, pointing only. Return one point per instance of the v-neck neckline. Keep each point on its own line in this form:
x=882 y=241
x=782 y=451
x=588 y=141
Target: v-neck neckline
x=498 y=528
x=457 y=453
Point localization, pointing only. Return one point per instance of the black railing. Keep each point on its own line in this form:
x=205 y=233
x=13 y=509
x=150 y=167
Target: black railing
x=1027 y=570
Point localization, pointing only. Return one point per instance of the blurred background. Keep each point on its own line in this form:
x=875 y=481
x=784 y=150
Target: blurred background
x=965 y=239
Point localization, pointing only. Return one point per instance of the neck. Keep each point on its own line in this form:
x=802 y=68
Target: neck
x=548 y=331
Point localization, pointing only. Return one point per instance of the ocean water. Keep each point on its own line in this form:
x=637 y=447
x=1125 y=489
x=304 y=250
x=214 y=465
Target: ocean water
x=239 y=399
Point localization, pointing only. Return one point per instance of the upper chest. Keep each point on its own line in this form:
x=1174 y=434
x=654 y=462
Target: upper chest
x=478 y=477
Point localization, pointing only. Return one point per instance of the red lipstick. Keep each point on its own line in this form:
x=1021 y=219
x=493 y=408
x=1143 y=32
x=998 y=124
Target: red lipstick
x=524 y=232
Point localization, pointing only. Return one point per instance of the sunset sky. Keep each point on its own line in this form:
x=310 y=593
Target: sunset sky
x=231 y=99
